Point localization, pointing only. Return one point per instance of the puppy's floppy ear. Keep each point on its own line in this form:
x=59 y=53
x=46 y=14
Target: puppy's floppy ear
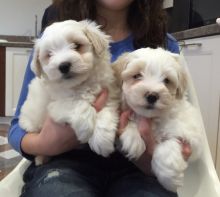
x=182 y=76
x=99 y=39
x=35 y=64
x=119 y=66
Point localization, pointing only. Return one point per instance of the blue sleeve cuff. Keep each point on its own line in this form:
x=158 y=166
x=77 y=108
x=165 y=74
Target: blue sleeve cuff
x=15 y=135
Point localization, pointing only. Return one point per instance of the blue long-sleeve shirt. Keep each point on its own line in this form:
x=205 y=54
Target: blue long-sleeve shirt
x=16 y=133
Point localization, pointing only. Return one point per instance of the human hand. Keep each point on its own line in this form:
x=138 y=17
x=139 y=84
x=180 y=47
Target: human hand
x=123 y=121
x=101 y=100
x=144 y=127
x=55 y=138
x=62 y=137
x=144 y=162
x=147 y=135
x=186 y=149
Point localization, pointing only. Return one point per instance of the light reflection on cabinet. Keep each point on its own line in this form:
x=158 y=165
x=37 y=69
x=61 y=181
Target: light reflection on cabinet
x=16 y=62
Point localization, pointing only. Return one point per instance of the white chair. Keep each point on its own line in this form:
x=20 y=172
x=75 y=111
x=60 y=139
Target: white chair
x=12 y=184
x=200 y=178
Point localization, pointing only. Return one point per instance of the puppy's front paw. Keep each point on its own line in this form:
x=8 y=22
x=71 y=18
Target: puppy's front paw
x=83 y=121
x=132 y=143
x=83 y=130
x=169 y=165
x=102 y=142
x=58 y=112
x=171 y=182
x=29 y=125
x=80 y=115
x=103 y=138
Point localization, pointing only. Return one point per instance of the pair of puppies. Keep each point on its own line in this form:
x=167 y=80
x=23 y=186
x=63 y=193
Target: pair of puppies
x=72 y=65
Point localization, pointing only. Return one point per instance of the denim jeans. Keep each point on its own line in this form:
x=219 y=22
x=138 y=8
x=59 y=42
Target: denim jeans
x=85 y=174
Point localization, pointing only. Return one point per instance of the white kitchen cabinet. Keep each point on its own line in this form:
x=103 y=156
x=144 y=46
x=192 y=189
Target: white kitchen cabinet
x=203 y=58
x=16 y=62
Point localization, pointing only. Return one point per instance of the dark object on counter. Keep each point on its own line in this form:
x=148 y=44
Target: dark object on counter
x=188 y=14
x=196 y=20
x=204 y=12
x=179 y=16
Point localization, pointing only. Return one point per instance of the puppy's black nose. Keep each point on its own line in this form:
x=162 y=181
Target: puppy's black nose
x=152 y=98
x=65 y=67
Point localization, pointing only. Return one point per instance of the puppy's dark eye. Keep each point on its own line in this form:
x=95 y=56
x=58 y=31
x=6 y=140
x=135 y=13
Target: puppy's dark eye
x=166 y=81
x=77 y=46
x=137 y=76
x=48 y=55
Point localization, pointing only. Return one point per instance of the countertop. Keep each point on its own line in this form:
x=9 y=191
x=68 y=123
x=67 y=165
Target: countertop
x=208 y=30
x=16 y=41
x=17 y=44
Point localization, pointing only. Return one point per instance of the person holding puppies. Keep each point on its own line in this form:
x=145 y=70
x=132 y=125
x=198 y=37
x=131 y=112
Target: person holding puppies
x=74 y=170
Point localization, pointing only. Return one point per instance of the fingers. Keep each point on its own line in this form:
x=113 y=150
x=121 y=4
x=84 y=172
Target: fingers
x=186 y=150
x=101 y=100
x=144 y=127
x=124 y=117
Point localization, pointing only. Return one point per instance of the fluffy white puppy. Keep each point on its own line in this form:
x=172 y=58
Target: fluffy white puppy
x=154 y=85
x=72 y=65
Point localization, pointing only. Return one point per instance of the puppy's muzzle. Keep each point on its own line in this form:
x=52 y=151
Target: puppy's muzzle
x=151 y=98
x=64 y=67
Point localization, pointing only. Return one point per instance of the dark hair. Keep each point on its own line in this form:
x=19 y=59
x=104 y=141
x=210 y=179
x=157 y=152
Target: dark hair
x=146 y=19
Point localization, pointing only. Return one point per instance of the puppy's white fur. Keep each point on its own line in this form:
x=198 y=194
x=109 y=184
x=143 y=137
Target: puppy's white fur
x=68 y=95
x=159 y=73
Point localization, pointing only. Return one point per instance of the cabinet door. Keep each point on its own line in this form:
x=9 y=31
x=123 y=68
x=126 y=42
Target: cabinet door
x=16 y=61
x=203 y=59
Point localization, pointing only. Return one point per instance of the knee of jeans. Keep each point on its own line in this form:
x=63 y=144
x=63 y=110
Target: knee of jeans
x=56 y=175
x=66 y=181
x=41 y=179
x=51 y=174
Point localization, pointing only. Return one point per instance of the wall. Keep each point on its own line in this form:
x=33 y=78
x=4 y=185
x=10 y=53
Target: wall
x=17 y=17
x=168 y=3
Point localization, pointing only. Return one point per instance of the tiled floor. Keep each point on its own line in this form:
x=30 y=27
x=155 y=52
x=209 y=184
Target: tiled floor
x=8 y=157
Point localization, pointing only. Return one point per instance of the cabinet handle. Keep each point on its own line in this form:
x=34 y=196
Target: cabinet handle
x=183 y=44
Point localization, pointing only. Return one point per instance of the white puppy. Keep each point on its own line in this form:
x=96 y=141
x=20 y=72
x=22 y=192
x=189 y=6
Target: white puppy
x=154 y=85
x=72 y=65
